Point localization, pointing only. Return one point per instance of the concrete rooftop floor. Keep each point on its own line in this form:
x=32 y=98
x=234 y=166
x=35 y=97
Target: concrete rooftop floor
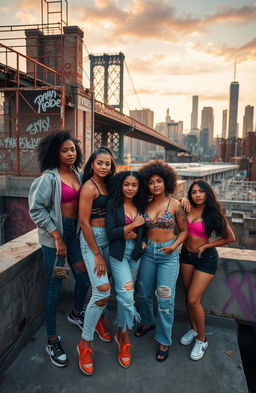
x=220 y=371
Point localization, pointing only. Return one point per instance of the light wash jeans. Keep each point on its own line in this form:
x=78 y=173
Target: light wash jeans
x=93 y=311
x=53 y=285
x=124 y=272
x=158 y=274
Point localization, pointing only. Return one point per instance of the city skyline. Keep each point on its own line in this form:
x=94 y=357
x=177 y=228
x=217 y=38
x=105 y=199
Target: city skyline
x=173 y=49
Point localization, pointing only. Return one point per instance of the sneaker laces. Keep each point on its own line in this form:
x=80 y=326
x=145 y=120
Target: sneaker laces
x=86 y=356
x=57 y=348
x=125 y=351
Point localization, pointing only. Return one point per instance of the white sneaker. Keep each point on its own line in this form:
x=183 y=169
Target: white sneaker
x=188 y=337
x=198 y=350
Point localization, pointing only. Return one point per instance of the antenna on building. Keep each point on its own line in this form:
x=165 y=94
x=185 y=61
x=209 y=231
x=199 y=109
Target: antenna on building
x=235 y=70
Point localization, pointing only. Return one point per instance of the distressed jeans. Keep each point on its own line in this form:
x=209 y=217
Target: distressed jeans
x=124 y=274
x=158 y=274
x=53 y=285
x=93 y=311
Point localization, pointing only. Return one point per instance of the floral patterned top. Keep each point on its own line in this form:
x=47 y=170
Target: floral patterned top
x=164 y=221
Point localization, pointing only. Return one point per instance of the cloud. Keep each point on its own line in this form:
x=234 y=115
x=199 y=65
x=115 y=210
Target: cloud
x=243 y=53
x=26 y=17
x=203 y=97
x=157 y=19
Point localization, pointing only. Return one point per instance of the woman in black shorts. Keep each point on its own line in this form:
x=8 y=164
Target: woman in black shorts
x=199 y=258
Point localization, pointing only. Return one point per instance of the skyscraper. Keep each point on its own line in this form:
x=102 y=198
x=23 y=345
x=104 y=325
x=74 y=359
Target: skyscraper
x=194 y=113
x=136 y=147
x=207 y=121
x=224 y=123
x=248 y=120
x=233 y=106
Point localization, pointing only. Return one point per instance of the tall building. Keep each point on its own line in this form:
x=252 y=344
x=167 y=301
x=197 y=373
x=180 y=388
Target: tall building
x=194 y=113
x=135 y=147
x=207 y=121
x=233 y=107
x=204 y=141
x=224 y=123
x=248 y=120
x=175 y=130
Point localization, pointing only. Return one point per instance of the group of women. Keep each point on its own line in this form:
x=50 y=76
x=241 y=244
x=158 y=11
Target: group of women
x=127 y=225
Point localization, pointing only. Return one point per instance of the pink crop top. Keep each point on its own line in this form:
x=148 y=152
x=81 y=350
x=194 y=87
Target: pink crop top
x=196 y=229
x=68 y=194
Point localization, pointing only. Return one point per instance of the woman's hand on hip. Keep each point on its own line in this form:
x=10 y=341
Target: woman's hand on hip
x=100 y=265
x=201 y=249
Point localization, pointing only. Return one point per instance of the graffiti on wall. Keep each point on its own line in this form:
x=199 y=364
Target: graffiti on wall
x=18 y=220
x=242 y=286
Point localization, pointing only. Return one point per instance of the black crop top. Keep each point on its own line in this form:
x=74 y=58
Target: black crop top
x=99 y=204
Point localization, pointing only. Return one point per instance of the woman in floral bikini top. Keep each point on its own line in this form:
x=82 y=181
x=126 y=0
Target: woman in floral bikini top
x=160 y=263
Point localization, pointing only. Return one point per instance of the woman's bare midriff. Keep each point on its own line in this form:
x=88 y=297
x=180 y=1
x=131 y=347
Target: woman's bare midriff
x=97 y=222
x=192 y=243
x=161 y=235
x=69 y=210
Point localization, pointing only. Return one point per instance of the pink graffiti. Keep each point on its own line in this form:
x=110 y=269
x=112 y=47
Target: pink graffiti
x=245 y=301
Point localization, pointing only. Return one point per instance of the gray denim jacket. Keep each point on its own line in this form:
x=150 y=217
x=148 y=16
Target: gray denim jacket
x=45 y=205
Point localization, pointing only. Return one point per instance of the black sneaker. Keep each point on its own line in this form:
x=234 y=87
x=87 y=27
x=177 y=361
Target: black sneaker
x=76 y=320
x=56 y=353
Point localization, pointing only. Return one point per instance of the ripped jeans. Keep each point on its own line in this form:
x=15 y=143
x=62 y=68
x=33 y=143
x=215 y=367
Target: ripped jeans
x=124 y=274
x=158 y=274
x=94 y=310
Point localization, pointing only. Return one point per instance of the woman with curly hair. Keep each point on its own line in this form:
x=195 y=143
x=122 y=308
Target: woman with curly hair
x=97 y=177
x=160 y=263
x=53 y=206
x=199 y=258
x=124 y=224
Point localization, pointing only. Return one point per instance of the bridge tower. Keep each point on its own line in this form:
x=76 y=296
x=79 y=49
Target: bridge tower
x=106 y=81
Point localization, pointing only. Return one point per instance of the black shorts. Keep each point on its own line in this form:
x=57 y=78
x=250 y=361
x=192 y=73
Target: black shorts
x=207 y=263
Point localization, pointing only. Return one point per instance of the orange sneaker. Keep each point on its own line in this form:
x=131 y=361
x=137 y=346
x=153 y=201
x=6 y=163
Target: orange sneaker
x=85 y=359
x=124 y=355
x=102 y=331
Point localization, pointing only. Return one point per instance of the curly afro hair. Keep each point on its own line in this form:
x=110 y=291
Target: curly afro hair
x=164 y=170
x=48 y=150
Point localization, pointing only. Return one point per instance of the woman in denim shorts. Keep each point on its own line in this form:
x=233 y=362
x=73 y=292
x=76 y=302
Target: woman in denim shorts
x=199 y=258
x=97 y=177
x=124 y=224
x=53 y=206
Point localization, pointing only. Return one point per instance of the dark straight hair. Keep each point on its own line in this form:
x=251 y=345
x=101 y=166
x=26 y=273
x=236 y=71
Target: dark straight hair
x=213 y=216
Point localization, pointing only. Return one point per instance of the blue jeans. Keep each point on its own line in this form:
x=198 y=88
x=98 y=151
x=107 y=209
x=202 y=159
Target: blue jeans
x=158 y=274
x=53 y=285
x=93 y=311
x=125 y=272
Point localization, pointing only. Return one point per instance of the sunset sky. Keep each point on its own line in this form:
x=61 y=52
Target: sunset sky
x=173 y=49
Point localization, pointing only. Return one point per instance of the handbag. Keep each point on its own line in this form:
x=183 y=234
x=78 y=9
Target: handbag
x=60 y=271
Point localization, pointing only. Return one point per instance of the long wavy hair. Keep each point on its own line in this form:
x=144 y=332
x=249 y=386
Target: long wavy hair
x=48 y=150
x=139 y=199
x=87 y=174
x=213 y=216
x=162 y=169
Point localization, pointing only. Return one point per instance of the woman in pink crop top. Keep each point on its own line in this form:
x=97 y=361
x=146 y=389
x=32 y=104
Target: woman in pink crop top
x=53 y=202
x=160 y=263
x=199 y=258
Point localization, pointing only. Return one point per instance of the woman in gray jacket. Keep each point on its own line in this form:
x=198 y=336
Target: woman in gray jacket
x=53 y=206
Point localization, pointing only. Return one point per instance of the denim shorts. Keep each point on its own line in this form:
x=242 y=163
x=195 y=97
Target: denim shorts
x=207 y=263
